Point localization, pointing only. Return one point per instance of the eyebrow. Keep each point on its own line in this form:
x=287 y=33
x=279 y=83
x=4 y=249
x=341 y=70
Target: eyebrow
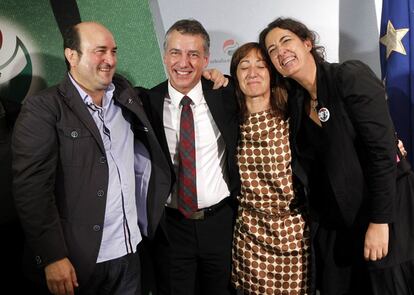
x=105 y=47
x=194 y=51
x=284 y=37
x=280 y=40
x=271 y=46
x=188 y=52
x=255 y=61
x=244 y=61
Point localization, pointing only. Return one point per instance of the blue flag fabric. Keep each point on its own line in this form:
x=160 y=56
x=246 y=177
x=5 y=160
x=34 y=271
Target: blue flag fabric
x=397 y=66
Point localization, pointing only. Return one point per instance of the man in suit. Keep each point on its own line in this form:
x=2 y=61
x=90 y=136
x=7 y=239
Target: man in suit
x=193 y=243
x=83 y=164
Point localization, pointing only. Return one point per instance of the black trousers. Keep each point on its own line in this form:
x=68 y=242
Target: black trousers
x=121 y=276
x=196 y=257
x=341 y=268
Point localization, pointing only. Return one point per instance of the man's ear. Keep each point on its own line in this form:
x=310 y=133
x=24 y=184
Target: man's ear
x=206 y=60
x=71 y=56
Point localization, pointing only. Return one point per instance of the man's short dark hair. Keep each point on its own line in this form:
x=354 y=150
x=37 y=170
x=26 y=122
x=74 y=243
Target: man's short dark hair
x=189 y=27
x=71 y=40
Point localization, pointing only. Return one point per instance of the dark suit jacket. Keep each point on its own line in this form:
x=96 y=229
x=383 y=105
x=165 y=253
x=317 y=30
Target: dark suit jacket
x=61 y=175
x=7 y=211
x=223 y=106
x=359 y=154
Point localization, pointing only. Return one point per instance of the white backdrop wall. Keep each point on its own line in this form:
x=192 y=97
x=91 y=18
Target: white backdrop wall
x=348 y=29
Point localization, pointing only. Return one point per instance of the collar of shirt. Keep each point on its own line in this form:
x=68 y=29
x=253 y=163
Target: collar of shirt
x=196 y=95
x=109 y=92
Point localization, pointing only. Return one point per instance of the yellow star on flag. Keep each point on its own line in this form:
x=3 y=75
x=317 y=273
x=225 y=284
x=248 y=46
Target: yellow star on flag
x=392 y=39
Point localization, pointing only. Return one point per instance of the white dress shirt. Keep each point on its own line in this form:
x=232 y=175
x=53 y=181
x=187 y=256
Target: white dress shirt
x=211 y=173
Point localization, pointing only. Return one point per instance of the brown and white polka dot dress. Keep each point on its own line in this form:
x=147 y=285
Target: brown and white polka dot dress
x=271 y=243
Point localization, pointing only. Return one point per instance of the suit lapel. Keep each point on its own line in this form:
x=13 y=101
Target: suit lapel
x=296 y=101
x=215 y=100
x=156 y=99
x=132 y=102
x=72 y=98
x=129 y=100
x=326 y=100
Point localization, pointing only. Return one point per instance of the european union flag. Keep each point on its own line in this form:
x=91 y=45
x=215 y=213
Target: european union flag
x=397 y=66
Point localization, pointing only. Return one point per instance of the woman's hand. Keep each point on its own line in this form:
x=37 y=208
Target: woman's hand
x=217 y=77
x=376 y=241
x=402 y=149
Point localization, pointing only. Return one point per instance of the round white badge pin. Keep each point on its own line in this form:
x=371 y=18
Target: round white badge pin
x=323 y=114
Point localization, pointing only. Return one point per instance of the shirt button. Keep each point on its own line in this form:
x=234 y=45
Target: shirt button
x=74 y=134
x=100 y=193
x=102 y=160
x=96 y=227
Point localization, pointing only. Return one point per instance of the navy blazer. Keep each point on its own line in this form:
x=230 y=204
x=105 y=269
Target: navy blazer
x=360 y=151
x=61 y=176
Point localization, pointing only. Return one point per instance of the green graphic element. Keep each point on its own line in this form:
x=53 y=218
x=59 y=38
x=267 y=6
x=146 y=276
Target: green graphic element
x=16 y=88
x=130 y=21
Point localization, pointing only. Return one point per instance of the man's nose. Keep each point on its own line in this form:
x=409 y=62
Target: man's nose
x=183 y=61
x=110 y=58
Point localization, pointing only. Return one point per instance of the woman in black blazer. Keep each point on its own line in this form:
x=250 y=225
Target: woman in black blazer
x=341 y=132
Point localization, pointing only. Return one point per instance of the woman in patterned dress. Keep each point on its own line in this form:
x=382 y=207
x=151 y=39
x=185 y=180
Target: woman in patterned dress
x=271 y=238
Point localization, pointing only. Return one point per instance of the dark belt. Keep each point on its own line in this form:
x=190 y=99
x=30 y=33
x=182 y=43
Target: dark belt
x=200 y=214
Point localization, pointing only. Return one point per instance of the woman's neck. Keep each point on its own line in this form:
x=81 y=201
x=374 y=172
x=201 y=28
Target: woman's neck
x=307 y=78
x=257 y=104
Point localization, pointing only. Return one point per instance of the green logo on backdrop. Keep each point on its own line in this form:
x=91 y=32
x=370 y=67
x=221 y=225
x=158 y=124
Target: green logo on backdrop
x=16 y=72
x=20 y=67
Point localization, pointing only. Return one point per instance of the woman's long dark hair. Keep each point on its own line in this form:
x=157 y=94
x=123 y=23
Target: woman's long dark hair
x=278 y=94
